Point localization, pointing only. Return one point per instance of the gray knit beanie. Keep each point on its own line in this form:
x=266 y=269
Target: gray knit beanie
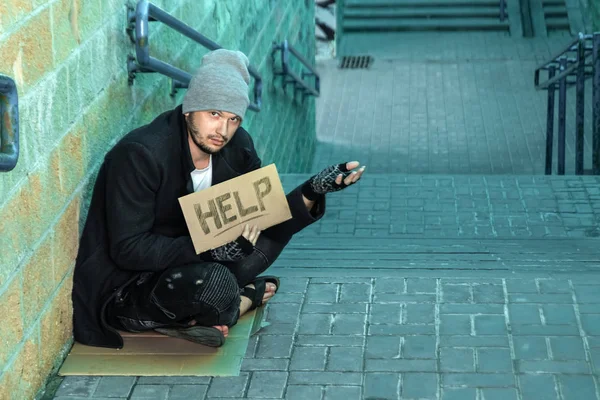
x=221 y=83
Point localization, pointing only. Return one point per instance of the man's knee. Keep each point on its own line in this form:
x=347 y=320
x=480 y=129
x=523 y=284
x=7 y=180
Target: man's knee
x=220 y=285
x=215 y=288
x=196 y=278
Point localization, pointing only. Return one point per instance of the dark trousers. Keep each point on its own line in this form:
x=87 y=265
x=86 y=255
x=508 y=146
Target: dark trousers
x=174 y=297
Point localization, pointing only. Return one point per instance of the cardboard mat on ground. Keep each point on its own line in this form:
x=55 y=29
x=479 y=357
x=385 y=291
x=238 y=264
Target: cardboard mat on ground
x=153 y=354
x=217 y=215
x=214 y=216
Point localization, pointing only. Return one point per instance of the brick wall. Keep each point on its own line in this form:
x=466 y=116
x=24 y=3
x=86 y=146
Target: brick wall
x=68 y=58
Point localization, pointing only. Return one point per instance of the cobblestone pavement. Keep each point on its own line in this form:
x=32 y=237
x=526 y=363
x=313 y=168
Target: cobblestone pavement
x=422 y=314
x=404 y=338
x=438 y=206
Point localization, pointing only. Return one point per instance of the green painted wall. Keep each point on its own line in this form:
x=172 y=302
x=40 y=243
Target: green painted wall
x=68 y=58
x=595 y=14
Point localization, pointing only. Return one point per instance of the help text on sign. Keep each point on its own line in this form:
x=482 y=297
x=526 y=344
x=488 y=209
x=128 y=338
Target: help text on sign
x=217 y=215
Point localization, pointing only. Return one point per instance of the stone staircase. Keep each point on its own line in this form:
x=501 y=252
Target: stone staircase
x=423 y=15
x=558 y=18
x=555 y=15
x=399 y=222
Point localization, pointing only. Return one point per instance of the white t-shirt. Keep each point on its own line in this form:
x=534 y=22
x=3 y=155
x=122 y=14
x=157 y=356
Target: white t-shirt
x=202 y=178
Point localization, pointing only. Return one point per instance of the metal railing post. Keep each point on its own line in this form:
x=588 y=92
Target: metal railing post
x=562 y=113
x=580 y=109
x=550 y=123
x=142 y=51
x=573 y=66
x=596 y=106
x=284 y=64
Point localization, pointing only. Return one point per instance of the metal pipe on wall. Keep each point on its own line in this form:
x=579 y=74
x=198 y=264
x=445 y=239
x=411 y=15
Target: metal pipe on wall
x=9 y=127
x=290 y=77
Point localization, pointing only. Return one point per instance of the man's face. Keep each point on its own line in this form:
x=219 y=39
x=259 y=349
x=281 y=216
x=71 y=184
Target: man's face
x=211 y=130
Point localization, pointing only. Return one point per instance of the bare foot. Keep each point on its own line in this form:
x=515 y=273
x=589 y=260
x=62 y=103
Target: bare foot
x=223 y=328
x=269 y=290
x=245 y=305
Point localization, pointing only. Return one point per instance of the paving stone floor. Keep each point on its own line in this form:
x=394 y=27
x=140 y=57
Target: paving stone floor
x=418 y=337
x=459 y=283
x=451 y=313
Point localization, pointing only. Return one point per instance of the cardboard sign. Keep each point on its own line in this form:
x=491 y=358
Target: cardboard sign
x=217 y=215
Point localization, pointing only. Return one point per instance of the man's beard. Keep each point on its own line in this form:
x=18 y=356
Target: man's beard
x=202 y=146
x=195 y=134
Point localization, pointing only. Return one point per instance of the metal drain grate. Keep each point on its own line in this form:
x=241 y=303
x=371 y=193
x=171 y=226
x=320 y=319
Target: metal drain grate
x=356 y=62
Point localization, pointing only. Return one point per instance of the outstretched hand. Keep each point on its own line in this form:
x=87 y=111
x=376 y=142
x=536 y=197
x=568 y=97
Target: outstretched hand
x=332 y=179
x=353 y=177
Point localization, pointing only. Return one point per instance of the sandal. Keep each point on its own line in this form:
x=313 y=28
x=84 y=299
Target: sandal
x=205 y=335
x=260 y=285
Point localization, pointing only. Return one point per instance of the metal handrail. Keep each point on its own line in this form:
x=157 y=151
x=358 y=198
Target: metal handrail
x=9 y=127
x=572 y=66
x=572 y=62
x=290 y=77
x=146 y=11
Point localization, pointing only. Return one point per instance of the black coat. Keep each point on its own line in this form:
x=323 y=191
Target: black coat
x=135 y=223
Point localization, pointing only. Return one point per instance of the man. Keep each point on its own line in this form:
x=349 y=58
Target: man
x=136 y=268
